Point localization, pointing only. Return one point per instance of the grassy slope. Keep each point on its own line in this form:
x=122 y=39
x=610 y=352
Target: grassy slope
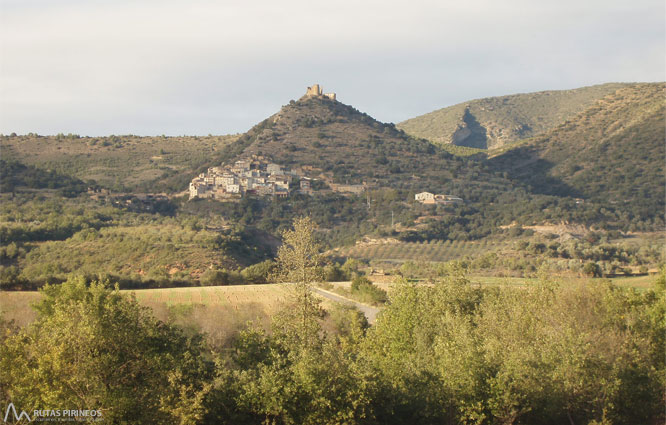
x=505 y=119
x=612 y=151
x=57 y=236
x=132 y=162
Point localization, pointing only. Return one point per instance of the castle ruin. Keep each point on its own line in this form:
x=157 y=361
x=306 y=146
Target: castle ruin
x=316 y=91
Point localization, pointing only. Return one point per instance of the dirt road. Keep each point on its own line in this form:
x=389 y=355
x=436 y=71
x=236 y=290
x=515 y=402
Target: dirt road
x=369 y=311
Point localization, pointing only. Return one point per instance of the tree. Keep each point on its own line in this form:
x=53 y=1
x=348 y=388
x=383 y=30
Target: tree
x=93 y=348
x=299 y=258
x=592 y=270
x=297 y=375
x=299 y=263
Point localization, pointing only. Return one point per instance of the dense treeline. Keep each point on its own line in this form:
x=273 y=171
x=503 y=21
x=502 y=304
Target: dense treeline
x=32 y=220
x=578 y=257
x=444 y=353
x=473 y=221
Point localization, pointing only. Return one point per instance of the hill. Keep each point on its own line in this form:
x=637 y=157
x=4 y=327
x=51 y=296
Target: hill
x=339 y=144
x=340 y=141
x=123 y=163
x=494 y=122
x=612 y=152
x=44 y=237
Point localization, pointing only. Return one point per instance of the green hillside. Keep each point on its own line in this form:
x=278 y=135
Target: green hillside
x=493 y=122
x=613 y=152
x=148 y=164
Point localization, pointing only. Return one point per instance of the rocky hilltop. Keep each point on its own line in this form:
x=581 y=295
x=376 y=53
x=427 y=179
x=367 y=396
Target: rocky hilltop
x=336 y=140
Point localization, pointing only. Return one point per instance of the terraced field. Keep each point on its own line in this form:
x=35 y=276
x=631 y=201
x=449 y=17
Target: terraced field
x=269 y=296
x=427 y=251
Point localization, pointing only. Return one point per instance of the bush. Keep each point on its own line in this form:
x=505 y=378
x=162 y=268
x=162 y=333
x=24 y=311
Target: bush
x=258 y=273
x=214 y=277
x=363 y=290
x=333 y=273
x=93 y=338
x=9 y=277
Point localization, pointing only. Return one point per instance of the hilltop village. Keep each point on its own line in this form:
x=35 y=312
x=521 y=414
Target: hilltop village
x=253 y=176
x=257 y=176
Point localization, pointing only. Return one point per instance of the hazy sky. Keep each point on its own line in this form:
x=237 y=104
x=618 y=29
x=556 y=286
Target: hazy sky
x=100 y=67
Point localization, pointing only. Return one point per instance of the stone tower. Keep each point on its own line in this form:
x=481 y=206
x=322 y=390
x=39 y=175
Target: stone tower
x=315 y=90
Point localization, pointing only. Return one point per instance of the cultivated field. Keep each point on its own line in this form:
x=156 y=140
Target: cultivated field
x=219 y=311
x=426 y=251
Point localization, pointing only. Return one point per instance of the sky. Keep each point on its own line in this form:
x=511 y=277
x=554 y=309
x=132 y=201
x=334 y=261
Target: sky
x=199 y=67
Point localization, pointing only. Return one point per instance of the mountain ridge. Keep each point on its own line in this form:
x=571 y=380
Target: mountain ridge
x=609 y=151
x=493 y=122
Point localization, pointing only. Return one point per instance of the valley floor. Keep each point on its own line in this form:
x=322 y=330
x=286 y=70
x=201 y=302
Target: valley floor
x=220 y=311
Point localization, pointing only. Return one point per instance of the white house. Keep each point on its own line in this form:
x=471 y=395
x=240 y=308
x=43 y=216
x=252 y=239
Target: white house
x=425 y=197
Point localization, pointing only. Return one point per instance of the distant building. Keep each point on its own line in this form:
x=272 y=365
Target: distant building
x=274 y=169
x=305 y=186
x=280 y=181
x=316 y=91
x=263 y=190
x=280 y=193
x=348 y=188
x=425 y=197
x=232 y=188
x=240 y=167
x=430 y=198
x=254 y=176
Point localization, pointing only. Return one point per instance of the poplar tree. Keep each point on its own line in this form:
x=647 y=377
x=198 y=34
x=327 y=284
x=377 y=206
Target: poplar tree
x=299 y=264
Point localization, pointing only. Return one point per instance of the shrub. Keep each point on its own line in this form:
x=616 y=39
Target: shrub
x=363 y=290
x=214 y=277
x=258 y=273
x=592 y=270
